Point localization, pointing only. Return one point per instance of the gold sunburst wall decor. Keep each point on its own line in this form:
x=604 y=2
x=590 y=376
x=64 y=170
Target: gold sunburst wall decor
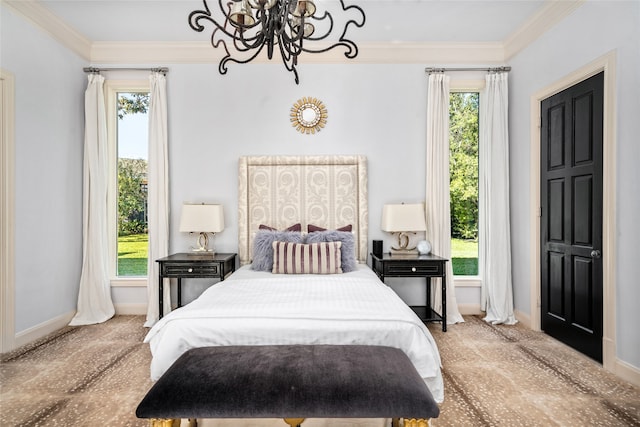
x=308 y=115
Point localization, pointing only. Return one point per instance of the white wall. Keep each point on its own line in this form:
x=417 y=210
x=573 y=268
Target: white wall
x=590 y=32
x=377 y=111
x=49 y=85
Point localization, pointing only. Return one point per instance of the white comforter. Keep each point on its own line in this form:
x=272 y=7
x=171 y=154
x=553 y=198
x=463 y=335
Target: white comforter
x=257 y=308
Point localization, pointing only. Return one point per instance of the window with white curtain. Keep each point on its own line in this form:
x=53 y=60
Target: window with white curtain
x=464 y=131
x=463 y=171
x=127 y=104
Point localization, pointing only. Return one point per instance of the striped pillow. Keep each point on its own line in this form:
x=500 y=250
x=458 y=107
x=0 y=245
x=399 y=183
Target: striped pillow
x=312 y=258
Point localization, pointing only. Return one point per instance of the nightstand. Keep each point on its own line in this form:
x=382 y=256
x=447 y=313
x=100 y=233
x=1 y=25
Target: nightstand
x=193 y=265
x=427 y=266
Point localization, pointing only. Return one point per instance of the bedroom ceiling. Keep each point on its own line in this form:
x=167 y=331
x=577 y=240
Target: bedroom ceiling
x=387 y=20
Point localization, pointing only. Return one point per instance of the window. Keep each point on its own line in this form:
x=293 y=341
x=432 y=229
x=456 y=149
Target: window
x=133 y=237
x=127 y=104
x=463 y=170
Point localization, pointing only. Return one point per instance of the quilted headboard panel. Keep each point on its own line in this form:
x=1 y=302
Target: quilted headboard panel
x=327 y=191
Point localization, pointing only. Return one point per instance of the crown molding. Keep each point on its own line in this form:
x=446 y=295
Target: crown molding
x=421 y=53
x=43 y=19
x=153 y=52
x=552 y=12
x=368 y=53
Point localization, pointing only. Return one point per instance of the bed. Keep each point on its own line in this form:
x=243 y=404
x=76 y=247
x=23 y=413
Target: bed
x=263 y=308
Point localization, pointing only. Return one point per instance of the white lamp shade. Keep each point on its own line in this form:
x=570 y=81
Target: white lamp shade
x=404 y=217
x=201 y=218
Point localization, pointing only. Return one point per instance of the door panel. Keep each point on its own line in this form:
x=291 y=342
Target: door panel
x=571 y=220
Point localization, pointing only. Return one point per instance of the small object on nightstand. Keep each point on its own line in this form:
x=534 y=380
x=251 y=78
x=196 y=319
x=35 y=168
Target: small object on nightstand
x=377 y=248
x=424 y=247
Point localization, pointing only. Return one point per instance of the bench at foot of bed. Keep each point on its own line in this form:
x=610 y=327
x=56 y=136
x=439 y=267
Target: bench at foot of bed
x=295 y=422
x=292 y=382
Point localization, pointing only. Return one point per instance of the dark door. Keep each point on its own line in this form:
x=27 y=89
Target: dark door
x=571 y=216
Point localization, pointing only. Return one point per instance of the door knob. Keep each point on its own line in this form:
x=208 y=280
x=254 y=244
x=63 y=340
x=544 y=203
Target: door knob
x=595 y=254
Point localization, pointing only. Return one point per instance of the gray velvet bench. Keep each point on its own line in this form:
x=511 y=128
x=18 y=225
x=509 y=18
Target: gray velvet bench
x=292 y=382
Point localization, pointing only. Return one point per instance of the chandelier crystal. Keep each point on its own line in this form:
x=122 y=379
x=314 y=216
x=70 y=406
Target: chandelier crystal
x=245 y=27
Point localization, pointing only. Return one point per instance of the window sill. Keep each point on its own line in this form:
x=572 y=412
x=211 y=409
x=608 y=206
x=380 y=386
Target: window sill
x=467 y=281
x=129 y=282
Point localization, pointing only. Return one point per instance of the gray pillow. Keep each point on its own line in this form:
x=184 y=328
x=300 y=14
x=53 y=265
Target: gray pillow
x=263 y=246
x=348 y=257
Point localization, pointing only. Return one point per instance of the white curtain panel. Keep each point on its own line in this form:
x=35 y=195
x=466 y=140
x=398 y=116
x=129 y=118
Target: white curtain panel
x=158 y=196
x=94 y=297
x=437 y=198
x=495 y=236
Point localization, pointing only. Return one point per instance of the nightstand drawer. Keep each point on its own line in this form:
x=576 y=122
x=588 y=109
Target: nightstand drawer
x=413 y=269
x=178 y=270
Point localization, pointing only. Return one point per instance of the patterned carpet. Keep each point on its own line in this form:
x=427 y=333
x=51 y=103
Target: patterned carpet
x=494 y=376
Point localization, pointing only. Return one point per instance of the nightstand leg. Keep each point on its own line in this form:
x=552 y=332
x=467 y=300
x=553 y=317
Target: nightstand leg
x=160 y=302
x=179 y=292
x=428 y=304
x=444 y=302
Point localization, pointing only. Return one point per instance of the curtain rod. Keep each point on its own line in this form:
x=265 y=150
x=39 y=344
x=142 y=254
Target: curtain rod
x=163 y=70
x=430 y=70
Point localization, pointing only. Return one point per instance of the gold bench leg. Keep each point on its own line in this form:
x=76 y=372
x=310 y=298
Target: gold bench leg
x=413 y=422
x=294 y=422
x=164 y=422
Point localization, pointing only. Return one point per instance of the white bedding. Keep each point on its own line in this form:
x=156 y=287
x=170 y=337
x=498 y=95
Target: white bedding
x=258 y=308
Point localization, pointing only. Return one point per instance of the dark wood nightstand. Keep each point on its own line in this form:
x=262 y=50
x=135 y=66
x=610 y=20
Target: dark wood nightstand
x=427 y=266
x=193 y=265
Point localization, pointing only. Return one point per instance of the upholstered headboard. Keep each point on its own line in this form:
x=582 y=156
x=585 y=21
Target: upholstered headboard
x=279 y=191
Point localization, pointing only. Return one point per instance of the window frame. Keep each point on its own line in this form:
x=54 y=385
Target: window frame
x=112 y=88
x=470 y=85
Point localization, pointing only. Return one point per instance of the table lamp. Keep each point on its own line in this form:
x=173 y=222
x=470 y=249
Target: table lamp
x=402 y=219
x=203 y=219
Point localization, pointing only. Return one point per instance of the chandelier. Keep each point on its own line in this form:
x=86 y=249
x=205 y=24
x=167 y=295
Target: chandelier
x=245 y=27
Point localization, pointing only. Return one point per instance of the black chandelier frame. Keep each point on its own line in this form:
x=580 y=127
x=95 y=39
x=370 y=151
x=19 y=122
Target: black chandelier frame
x=273 y=27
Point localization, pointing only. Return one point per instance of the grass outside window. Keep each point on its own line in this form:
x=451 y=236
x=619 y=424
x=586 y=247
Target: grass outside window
x=464 y=257
x=132 y=255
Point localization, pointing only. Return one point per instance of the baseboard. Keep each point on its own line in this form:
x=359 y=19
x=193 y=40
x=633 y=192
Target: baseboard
x=627 y=372
x=469 y=309
x=523 y=318
x=43 y=329
x=130 y=309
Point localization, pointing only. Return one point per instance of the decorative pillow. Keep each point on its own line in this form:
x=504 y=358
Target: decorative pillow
x=294 y=227
x=299 y=258
x=263 y=249
x=348 y=257
x=313 y=228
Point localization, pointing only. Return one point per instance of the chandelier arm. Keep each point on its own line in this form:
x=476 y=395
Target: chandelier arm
x=352 y=48
x=286 y=58
x=197 y=15
x=351 y=21
x=246 y=45
x=329 y=30
x=228 y=58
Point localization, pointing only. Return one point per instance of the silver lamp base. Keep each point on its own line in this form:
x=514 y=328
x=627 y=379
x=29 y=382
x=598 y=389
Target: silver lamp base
x=403 y=245
x=203 y=244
